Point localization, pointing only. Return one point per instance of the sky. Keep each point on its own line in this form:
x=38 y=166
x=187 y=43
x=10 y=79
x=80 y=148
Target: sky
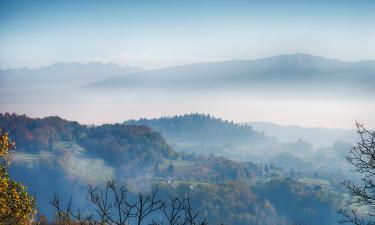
x=154 y=34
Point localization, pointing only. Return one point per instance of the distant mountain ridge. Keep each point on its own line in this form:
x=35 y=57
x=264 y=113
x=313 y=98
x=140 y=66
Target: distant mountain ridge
x=282 y=70
x=318 y=136
x=304 y=71
x=60 y=76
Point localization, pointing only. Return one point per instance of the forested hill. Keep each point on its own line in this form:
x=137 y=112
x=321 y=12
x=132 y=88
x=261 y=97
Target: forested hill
x=58 y=156
x=201 y=133
x=117 y=143
x=200 y=127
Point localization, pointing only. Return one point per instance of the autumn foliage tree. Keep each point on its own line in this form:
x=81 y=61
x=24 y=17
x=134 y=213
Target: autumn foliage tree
x=16 y=205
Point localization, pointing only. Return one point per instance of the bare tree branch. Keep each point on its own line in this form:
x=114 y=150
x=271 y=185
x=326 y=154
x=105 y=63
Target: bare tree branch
x=362 y=157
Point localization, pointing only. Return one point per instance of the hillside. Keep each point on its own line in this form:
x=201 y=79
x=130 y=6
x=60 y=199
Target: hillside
x=201 y=128
x=59 y=156
x=201 y=133
x=56 y=155
x=205 y=134
x=111 y=141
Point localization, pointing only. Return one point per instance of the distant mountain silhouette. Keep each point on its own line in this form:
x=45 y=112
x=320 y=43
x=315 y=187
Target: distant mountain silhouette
x=60 y=76
x=289 y=72
x=317 y=136
x=282 y=70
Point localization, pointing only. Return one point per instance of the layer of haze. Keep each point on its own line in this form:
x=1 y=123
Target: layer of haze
x=156 y=34
x=98 y=108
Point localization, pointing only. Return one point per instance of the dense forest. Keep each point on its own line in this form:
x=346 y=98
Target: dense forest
x=56 y=156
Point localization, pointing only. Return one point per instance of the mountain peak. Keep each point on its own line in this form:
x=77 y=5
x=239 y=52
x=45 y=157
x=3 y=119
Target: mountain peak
x=304 y=57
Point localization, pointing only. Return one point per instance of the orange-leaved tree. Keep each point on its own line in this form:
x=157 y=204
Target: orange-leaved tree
x=16 y=205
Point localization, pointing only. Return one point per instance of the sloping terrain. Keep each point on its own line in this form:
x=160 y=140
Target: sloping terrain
x=59 y=156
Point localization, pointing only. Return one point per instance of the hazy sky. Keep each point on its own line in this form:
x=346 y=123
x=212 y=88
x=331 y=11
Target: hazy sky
x=154 y=34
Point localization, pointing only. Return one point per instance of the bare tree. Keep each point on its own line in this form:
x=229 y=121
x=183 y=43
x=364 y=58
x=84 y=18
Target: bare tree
x=191 y=216
x=111 y=203
x=180 y=212
x=66 y=216
x=362 y=157
x=173 y=210
x=112 y=206
x=147 y=205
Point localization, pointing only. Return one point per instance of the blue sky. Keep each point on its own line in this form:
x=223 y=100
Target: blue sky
x=155 y=34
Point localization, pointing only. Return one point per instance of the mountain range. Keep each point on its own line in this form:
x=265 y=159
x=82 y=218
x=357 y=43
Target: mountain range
x=60 y=76
x=302 y=70
x=290 y=71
